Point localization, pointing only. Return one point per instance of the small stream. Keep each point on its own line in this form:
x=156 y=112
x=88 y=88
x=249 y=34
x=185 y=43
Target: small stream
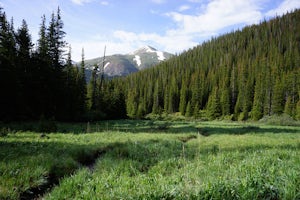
x=51 y=180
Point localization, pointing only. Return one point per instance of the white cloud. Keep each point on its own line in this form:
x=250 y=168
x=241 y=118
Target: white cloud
x=170 y=41
x=119 y=42
x=190 y=30
x=81 y=2
x=158 y=1
x=94 y=49
x=213 y=18
x=183 y=8
x=195 y=1
x=217 y=15
x=104 y=3
x=285 y=6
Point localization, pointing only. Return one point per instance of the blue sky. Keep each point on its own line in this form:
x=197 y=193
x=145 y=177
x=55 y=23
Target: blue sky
x=125 y=25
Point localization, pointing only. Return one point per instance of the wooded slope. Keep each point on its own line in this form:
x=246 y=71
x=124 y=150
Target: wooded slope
x=241 y=75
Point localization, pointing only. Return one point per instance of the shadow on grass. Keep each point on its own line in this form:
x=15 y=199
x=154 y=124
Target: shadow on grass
x=215 y=149
x=150 y=126
x=64 y=159
x=144 y=154
x=188 y=127
x=243 y=130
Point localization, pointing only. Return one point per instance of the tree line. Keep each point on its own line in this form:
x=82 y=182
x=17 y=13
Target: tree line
x=40 y=81
x=36 y=80
x=247 y=74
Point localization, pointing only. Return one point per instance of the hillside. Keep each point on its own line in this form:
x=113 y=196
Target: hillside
x=125 y=64
x=243 y=75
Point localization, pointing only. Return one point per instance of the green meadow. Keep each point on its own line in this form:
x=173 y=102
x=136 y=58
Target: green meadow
x=146 y=159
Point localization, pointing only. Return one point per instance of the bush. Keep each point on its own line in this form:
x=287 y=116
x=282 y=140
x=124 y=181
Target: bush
x=282 y=120
x=4 y=131
x=152 y=116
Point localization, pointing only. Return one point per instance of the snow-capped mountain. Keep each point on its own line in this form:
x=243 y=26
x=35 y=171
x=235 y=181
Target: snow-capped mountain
x=148 y=56
x=124 y=64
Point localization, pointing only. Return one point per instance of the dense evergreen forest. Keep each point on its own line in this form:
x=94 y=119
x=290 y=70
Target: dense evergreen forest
x=243 y=75
x=40 y=81
x=37 y=81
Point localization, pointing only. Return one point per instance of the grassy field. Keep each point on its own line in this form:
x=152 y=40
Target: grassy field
x=151 y=160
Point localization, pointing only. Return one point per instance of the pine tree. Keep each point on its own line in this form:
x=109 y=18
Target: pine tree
x=247 y=100
x=24 y=43
x=278 y=98
x=44 y=77
x=196 y=90
x=257 y=109
x=42 y=46
x=298 y=110
x=157 y=96
x=290 y=108
x=268 y=92
x=25 y=69
x=92 y=90
x=167 y=99
x=233 y=87
x=214 y=109
x=183 y=98
x=70 y=100
x=132 y=105
x=7 y=41
x=82 y=66
x=82 y=96
x=8 y=75
x=290 y=82
x=140 y=111
x=56 y=43
x=225 y=101
x=188 y=112
x=196 y=111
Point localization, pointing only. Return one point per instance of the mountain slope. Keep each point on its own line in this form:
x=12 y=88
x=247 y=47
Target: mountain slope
x=243 y=75
x=122 y=65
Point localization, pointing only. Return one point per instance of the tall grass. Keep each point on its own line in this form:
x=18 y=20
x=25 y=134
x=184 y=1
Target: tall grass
x=249 y=166
x=27 y=160
x=139 y=160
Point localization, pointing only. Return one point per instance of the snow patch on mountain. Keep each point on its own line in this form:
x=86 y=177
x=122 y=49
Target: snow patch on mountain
x=149 y=49
x=145 y=49
x=137 y=59
x=106 y=65
x=160 y=56
x=124 y=64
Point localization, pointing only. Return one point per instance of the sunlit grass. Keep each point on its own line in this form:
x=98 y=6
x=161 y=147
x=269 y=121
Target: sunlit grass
x=141 y=160
x=249 y=166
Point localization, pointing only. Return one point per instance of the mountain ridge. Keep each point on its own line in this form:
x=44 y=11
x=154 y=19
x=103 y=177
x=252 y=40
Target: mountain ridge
x=124 y=64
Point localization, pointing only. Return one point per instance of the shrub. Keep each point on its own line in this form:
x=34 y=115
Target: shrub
x=282 y=120
x=163 y=126
x=4 y=131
